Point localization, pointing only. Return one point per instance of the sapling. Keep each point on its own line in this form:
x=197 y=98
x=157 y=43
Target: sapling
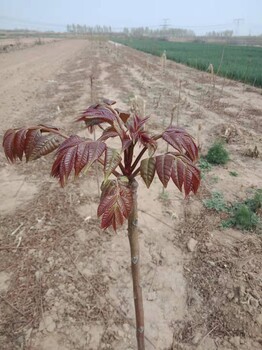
x=118 y=201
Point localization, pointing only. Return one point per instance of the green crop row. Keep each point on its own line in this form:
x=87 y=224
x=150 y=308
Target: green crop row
x=242 y=63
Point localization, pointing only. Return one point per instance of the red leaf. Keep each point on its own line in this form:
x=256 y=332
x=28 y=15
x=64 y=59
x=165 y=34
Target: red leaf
x=19 y=142
x=32 y=137
x=34 y=142
x=108 y=132
x=115 y=203
x=184 y=172
x=164 y=165
x=181 y=169
x=101 y=113
x=77 y=153
x=8 y=144
x=181 y=141
x=124 y=116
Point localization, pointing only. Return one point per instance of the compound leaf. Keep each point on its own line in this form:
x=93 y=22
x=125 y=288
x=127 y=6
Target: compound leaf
x=180 y=140
x=77 y=153
x=32 y=142
x=115 y=203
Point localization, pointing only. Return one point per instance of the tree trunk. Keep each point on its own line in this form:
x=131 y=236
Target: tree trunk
x=135 y=267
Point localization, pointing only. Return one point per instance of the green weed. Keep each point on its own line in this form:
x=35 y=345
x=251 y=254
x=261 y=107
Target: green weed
x=217 y=154
x=216 y=202
x=233 y=173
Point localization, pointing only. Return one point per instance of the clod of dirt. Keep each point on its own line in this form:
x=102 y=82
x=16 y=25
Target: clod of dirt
x=191 y=245
x=4 y=281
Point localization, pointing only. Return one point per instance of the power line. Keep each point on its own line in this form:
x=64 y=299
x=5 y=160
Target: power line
x=237 y=21
x=165 y=25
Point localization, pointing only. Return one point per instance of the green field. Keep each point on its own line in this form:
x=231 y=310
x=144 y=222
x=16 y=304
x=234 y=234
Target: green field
x=242 y=63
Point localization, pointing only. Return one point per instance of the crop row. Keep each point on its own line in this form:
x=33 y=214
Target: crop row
x=242 y=63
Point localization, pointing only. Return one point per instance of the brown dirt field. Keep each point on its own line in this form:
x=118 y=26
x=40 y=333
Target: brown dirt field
x=64 y=283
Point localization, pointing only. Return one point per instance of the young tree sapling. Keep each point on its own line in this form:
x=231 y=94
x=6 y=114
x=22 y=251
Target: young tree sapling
x=118 y=202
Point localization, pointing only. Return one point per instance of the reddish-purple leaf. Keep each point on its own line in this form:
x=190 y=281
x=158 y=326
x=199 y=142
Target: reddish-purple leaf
x=43 y=146
x=81 y=157
x=135 y=125
x=19 y=142
x=8 y=144
x=124 y=116
x=32 y=142
x=76 y=153
x=115 y=203
x=184 y=172
x=32 y=137
x=181 y=169
x=181 y=141
x=164 y=165
x=101 y=113
x=107 y=133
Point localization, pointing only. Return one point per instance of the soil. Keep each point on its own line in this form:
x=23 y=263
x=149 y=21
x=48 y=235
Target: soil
x=64 y=283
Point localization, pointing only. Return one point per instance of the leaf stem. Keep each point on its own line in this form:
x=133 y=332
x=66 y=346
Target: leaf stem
x=57 y=132
x=121 y=166
x=138 y=159
x=135 y=173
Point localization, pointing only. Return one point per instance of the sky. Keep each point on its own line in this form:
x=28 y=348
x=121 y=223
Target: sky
x=199 y=15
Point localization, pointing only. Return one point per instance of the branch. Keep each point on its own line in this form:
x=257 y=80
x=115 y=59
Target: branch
x=121 y=166
x=57 y=132
x=135 y=173
x=138 y=159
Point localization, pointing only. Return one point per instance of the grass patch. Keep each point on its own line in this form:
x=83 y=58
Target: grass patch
x=242 y=215
x=217 y=154
x=233 y=173
x=216 y=202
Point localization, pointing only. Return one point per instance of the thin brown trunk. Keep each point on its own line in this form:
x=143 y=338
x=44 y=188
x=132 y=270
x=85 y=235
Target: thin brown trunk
x=135 y=267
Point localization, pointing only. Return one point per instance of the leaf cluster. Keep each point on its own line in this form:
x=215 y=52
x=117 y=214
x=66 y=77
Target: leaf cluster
x=76 y=155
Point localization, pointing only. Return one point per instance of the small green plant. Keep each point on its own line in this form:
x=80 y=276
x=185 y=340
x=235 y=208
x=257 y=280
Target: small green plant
x=233 y=173
x=217 y=154
x=216 y=202
x=245 y=218
x=214 y=179
x=204 y=165
x=164 y=197
x=244 y=214
x=255 y=202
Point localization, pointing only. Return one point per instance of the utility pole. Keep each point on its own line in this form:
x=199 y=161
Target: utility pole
x=165 y=24
x=238 y=21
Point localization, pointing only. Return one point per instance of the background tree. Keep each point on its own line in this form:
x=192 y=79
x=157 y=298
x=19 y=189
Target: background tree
x=118 y=200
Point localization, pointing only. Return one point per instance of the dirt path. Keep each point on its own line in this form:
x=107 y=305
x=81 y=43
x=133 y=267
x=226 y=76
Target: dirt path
x=67 y=282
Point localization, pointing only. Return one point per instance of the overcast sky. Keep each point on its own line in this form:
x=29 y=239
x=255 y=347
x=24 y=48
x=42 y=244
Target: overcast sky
x=199 y=15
